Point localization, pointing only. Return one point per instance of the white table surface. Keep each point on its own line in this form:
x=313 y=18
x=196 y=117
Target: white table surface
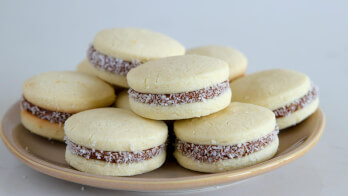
x=308 y=36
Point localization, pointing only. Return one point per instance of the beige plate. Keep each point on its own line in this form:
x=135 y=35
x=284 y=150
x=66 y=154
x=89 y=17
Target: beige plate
x=48 y=157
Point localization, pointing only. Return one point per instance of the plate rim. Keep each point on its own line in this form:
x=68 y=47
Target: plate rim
x=157 y=184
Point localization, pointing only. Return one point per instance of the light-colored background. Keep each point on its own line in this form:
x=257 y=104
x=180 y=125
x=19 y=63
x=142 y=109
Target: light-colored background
x=308 y=36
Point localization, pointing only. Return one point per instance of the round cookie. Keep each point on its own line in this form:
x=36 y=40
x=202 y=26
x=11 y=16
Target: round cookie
x=85 y=67
x=122 y=100
x=50 y=98
x=289 y=94
x=116 y=51
x=115 y=142
x=179 y=87
x=241 y=135
x=236 y=60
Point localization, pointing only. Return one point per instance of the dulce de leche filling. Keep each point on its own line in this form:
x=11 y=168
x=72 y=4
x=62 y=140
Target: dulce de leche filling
x=118 y=157
x=214 y=153
x=43 y=114
x=200 y=95
x=109 y=63
x=300 y=103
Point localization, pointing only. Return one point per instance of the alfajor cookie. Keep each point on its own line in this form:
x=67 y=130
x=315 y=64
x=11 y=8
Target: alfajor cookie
x=241 y=135
x=50 y=98
x=289 y=94
x=235 y=59
x=179 y=87
x=122 y=100
x=114 y=142
x=116 y=51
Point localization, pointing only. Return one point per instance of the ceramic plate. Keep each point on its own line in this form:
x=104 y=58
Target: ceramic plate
x=48 y=157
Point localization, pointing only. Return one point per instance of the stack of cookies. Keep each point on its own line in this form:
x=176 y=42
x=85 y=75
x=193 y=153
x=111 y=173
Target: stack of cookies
x=221 y=118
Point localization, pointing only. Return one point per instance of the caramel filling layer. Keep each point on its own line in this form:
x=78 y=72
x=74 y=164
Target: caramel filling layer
x=200 y=95
x=297 y=104
x=118 y=157
x=109 y=63
x=214 y=153
x=51 y=116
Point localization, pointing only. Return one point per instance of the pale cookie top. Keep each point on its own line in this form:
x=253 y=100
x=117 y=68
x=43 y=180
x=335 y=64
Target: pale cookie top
x=178 y=74
x=235 y=59
x=136 y=44
x=67 y=91
x=271 y=88
x=122 y=100
x=238 y=123
x=115 y=129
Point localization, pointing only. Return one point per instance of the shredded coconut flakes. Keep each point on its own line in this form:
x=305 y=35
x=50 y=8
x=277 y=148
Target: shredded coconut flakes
x=109 y=63
x=118 y=157
x=297 y=104
x=51 y=116
x=214 y=153
x=200 y=95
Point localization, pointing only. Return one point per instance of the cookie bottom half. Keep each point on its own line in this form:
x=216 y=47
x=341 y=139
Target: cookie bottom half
x=298 y=116
x=112 y=169
x=181 y=111
x=42 y=127
x=230 y=164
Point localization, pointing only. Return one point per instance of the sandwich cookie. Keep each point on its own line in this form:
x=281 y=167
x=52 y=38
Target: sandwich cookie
x=116 y=51
x=239 y=136
x=289 y=94
x=236 y=60
x=114 y=142
x=49 y=99
x=122 y=100
x=179 y=87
